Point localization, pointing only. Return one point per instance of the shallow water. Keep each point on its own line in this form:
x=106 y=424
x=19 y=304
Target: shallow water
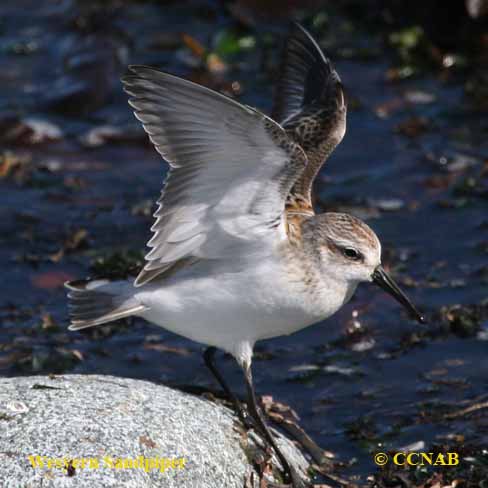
x=366 y=380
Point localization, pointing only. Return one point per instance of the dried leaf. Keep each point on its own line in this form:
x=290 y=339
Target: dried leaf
x=414 y=126
x=51 y=279
x=163 y=348
x=78 y=354
x=146 y=441
x=194 y=46
x=48 y=321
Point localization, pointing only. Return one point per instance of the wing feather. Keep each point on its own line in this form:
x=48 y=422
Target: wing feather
x=231 y=169
x=310 y=105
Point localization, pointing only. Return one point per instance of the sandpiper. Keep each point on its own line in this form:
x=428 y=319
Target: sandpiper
x=238 y=253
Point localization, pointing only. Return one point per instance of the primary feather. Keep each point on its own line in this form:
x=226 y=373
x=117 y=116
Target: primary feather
x=310 y=105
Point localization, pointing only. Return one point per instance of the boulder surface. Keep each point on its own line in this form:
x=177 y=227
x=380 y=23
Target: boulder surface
x=104 y=431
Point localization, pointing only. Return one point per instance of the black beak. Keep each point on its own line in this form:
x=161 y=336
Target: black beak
x=383 y=280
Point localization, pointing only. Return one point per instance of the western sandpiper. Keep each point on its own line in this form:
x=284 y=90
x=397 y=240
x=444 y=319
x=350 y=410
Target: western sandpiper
x=238 y=253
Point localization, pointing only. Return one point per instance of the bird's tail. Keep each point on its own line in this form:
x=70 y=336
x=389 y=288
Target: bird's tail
x=97 y=302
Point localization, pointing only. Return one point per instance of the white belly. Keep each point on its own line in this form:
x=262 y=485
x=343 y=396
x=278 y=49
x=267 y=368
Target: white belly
x=226 y=309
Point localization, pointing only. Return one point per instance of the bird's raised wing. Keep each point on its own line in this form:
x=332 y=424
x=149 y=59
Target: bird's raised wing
x=309 y=104
x=231 y=168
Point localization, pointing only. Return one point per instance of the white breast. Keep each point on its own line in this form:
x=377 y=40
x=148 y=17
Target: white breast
x=227 y=307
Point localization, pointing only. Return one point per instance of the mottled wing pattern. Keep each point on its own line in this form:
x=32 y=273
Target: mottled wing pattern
x=310 y=105
x=231 y=169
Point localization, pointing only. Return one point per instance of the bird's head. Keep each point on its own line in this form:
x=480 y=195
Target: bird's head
x=349 y=251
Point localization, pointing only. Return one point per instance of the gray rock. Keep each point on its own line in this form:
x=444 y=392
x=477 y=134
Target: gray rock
x=107 y=419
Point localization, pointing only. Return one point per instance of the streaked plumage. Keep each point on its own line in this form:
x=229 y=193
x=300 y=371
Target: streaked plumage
x=235 y=212
x=238 y=253
x=310 y=105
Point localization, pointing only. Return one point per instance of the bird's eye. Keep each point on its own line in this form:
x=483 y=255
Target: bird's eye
x=351 y=253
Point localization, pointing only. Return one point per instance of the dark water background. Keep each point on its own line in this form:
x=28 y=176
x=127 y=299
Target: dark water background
x=76 y=200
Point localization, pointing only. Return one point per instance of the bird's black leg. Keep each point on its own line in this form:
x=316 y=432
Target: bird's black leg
x=208 y=357
x=254 y=410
